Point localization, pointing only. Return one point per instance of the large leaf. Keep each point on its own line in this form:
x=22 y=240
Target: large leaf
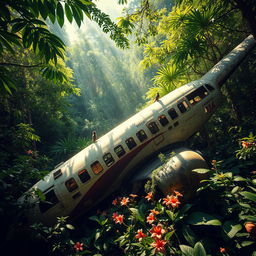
x=201 y=218
x=60 y=14
x=187 y=250
x=230 y=228
x=249 y=195
x=199 y=250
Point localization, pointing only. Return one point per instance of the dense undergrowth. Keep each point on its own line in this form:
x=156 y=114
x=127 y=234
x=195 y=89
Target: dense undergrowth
x=219 y=220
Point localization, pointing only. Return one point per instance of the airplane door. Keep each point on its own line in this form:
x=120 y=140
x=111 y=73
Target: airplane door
x=158 y=137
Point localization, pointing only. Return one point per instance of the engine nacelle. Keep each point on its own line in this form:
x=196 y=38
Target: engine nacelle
x=177 y=173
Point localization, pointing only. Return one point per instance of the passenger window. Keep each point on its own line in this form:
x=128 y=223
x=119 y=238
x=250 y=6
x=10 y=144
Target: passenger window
x=57 y=174
x=130 y=143
x=183 y=106
x=209 y=87
x=96 y=167
x=141 y=135
x=172 y=113
x=71 y=184
x=108 y=159
x=83 y=175
x=197 y=95
x=50 y=200
x=119 y=150
x=163 y=120
x=152 y=126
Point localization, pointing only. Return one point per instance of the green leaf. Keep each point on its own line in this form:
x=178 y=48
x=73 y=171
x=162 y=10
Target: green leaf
x=189 y=235
x=230 y=228
x=171 y=215
x=248 y=195
x=248 y=218
x=235 y=189
x=76 y=15
x=68 y=13
x=60 y=14
x=137 y=215
x=187 y=250
x=201 y=171
x=69 y=226
x=199 y=250
x=201 y=218
x=42 y=9
x=247 y=243
x=169 y=235
x=239 y=178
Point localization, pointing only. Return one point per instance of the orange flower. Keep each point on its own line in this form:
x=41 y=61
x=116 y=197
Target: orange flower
x=177 y=193
x=222 y=250
x=114 y=202
x=140 y=234
x=29 y=152
x=149 y=196
x=246 y=144
x=125 y=201
x=159 y=245
x=157 y=231
x=118 y=218
x=78 y=246
x=154 y=212
x=250 y=228
x=133 y=195
x=151 y=218
x=171 y=200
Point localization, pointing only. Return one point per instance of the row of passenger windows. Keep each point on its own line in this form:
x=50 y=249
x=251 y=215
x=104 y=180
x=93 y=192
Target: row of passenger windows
x=193 y=98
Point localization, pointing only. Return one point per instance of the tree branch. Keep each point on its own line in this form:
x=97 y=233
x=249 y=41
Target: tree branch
x=20 y=65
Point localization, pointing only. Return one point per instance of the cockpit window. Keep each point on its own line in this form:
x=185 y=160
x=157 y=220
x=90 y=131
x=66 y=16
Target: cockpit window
x=197 y=95
x=50 y=201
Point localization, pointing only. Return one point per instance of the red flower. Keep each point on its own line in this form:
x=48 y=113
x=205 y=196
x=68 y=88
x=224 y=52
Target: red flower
x=222 y=250
x=149 y=196
x=125 y=201
x=29 y=152
x=157 y=231
x=114 y=202
x=118 y=218
x=151 y=218
x=78 y=246
x=140 y=234
x=159 y=245
x=171 y=200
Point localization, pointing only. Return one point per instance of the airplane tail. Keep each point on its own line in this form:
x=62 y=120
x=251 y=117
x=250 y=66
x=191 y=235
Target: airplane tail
x=225 y=67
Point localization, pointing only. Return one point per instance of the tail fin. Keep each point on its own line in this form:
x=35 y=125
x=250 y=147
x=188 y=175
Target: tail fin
x=225 y=67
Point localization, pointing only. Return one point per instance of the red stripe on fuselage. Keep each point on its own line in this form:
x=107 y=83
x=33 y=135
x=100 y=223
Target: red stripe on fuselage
x=106 y=180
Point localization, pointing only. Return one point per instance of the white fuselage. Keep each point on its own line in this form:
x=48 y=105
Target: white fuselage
x=92 y=174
